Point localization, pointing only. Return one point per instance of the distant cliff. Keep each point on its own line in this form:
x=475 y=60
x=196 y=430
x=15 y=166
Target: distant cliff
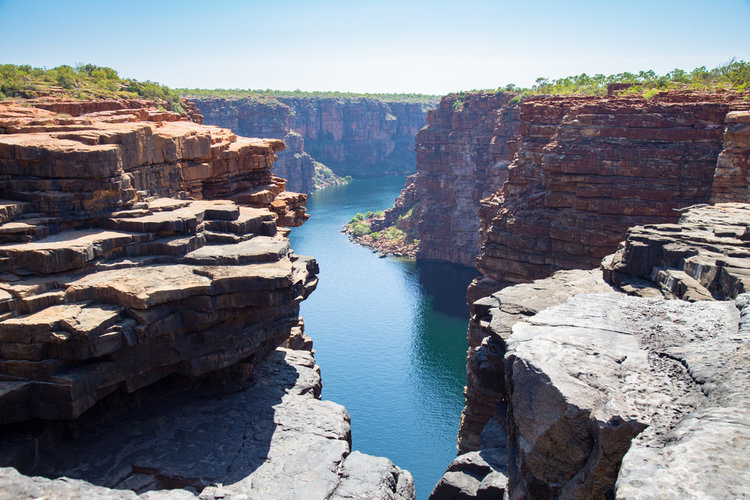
x=363 y=137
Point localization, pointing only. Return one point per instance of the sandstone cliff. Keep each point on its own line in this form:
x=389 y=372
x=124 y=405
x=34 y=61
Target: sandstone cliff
x=462 y=157
x=266 y=118
x=588 y=168
x=144 y=256
x=362 y=137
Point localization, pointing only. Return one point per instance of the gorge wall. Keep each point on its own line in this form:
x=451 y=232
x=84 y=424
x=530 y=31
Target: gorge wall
x=579 y=171
x=149 y=316
x=585 y=170
x=362 y=137
x=462 y=157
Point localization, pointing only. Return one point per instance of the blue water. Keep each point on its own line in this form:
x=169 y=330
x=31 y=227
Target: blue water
x=389 y=335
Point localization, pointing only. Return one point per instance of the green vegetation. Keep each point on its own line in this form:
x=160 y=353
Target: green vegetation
x=324 y=177
x=84 y=81
x=269 y=94
x=734 y=75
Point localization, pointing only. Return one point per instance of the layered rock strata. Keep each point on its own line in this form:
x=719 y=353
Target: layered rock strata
x=606 y=394
x=358 y=137
x=705 y=256
x=462 y=157
x=124 y=312
x=266 y=118
x=131 y=151
x=588 y=168
x=290 y=444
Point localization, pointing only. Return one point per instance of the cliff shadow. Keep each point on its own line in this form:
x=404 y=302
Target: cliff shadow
x=218 y=431
x=446 y=286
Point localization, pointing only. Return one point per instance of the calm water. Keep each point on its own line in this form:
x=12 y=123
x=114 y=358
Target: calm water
x=389 y=335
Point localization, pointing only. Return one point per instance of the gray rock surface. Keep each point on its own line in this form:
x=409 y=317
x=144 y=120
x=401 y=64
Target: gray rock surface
x=705 y=256
x=606 y=373
x=273 y=439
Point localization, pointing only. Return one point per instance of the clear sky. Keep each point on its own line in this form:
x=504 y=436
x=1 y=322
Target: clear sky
x=433 y=46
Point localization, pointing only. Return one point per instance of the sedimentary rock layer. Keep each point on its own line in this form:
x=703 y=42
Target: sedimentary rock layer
x=266 y=118
x=107 y=287
x=462 y=157
x=357 y=137
x=588 y=168
x=126 y=151
x=706 y=255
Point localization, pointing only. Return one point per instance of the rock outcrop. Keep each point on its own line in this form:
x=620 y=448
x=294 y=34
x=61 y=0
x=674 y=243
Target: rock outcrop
x=588 y=168
x=266 y=118
x=362 y=137
x=619 y=392
x=462 y=157
x=147 y=284
x=126 y=151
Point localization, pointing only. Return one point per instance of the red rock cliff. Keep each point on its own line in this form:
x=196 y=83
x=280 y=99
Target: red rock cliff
x=359 y=137
x=588 y=168
x=462 y=157
x=266 y=118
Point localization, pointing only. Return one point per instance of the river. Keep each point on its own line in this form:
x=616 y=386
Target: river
x=389 y=335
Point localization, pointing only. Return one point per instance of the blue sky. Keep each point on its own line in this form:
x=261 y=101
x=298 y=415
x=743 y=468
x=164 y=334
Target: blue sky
x=372 y=46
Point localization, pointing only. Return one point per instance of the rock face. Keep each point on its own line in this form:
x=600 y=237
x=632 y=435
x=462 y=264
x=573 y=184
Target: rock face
x=144 y=267
x=609 y=395
x=732 y=176
x=588 y=168
x=266 y=118
x=131 y=150
x=462 y=157
x=359 y=137
x=630 y=380
x=705 y=256
x=290 y=444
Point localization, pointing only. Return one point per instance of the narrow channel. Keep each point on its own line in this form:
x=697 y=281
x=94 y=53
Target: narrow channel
x=389 y=335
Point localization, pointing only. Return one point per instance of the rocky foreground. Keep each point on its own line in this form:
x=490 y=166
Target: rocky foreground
x=149 y=312
x=638 y=390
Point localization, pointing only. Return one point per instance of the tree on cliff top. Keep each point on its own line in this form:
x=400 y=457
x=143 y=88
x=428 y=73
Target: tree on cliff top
x=85 y=82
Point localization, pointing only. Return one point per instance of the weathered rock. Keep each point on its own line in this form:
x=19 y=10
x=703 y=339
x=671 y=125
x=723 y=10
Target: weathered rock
x=603 y=374
x=491 y=323
x=459 y=162
x=288 y=444
x=129 y=151
x=478 y=474
x=732 y=175
x=588 y=168
x=153 y=304
x=705 y=256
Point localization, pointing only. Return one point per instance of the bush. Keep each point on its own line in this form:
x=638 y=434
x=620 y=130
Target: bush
x=360 y=229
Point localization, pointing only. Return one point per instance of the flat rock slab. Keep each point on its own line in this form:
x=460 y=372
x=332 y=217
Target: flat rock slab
x=256 y=249
x=602 y=374
x=274 y=439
